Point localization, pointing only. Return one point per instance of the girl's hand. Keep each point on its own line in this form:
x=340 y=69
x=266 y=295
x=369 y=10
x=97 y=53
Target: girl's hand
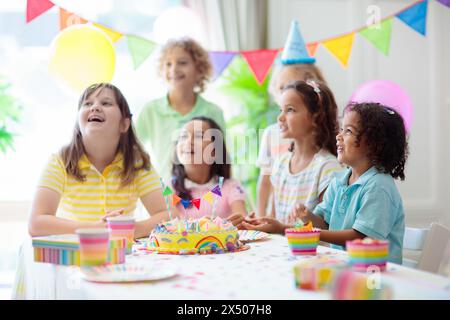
x=299 y=212
x=236 y=219
x=102 y=222
x=113 y=213
x=269 y=225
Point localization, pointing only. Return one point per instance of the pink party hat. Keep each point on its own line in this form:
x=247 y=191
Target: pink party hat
x=295 y=49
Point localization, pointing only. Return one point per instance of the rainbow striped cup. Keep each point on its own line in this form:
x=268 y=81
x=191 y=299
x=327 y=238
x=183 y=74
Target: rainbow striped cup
x=368 y=254
x=122 y=227
x=94 y=246
x=303 y=242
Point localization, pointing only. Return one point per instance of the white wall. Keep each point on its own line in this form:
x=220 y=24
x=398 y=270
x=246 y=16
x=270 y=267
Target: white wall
x=416 y=63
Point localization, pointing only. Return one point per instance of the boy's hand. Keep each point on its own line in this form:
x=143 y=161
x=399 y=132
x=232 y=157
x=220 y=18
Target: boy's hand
x=269 y=225
x=299 y=212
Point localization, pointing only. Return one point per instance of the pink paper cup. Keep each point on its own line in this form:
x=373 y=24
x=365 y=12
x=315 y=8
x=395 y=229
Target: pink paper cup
x=122 y=227
x=303 y=242
x=94 y=246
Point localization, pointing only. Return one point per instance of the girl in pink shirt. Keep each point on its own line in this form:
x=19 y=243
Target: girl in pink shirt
x=200 y=159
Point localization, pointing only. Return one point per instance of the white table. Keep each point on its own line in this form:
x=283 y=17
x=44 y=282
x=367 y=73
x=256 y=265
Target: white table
x=262 y=272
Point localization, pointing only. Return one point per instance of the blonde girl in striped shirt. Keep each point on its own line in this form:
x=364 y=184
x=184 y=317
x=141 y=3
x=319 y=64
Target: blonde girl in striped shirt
x=101 y=173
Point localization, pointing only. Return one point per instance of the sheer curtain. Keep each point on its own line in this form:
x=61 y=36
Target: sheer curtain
x=233 y=24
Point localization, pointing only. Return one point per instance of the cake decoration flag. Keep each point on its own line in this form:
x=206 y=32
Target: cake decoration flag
x=209 y=197
x=37 y=7
x=217 y=191
x=167 y=192
x=185 y=203
x=379 y=37
x=416 y=17
x=295 y=50
x=166 y=199
x=196 y=203
x=175 y=199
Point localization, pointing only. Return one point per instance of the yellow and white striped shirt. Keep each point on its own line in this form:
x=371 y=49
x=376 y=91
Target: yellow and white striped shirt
x=100 y=193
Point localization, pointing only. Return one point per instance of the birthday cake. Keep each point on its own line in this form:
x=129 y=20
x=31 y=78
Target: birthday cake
x=368 y=253
x=204 y=236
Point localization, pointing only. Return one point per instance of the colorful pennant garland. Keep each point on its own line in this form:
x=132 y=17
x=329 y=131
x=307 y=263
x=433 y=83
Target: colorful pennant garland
x=67 y=19
x=209 y=196
x=416 y=17
x=379 y=36
x=259 y=61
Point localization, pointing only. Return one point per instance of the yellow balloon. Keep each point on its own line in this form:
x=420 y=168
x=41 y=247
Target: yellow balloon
x=82 y=55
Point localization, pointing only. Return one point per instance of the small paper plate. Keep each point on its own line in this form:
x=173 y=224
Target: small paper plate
x=252 y=235
x=127 y=273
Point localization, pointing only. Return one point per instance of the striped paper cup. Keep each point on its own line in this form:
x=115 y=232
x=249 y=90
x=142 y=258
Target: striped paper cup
x=368 y=254
x=303 y=242
x=122 y=227
x=94 y=246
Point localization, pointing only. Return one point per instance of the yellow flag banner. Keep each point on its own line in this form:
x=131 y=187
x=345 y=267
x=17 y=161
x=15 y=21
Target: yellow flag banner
x=209 y=197
x=113 y=35
x=340 y=47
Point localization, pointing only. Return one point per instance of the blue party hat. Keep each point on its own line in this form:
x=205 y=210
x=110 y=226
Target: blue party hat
x=295 y=49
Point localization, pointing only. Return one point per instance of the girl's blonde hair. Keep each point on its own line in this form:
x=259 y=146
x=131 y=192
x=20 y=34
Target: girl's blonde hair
x=198 y=54
x=134 y=156
x=303 y=70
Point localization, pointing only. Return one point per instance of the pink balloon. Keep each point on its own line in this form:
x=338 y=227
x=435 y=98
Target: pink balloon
x=387 y=93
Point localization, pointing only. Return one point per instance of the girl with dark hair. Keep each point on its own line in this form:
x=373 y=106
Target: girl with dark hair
x=101 y=173
x=308 y=116
x=200 y=159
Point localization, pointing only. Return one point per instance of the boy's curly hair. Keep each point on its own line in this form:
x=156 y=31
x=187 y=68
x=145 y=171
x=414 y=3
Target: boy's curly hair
x=198 y=54
x=385 y=136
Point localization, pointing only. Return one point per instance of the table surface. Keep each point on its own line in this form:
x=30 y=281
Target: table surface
x=265 y=271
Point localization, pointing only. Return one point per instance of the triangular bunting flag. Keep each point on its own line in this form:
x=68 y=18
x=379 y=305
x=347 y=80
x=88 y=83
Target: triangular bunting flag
x=379 y=37
x=416 y=17
x=140 y=49
x=340 y=47
x=312 y=48
x=260 y=62
x=216 y=190
x=196 y=203
x=208 y=197
x=185 y=203
x=167 y=191
x=445 y=2
x=220 y=60
x=67 y=19
x=175 y=199
x=37 y=7
x=113 y=35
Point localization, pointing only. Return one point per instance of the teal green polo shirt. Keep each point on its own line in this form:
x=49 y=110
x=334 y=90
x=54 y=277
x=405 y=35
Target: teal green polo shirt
x=158 y=126
x=372 y=205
